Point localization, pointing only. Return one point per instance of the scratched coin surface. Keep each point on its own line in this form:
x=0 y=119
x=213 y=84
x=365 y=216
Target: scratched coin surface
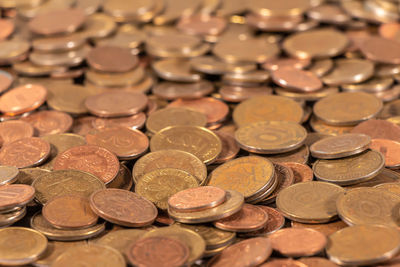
x=347 y=108
x=15 y=129
x=197 y=198
x=92 y=159
x=264 y=108
x=271 y=137
x=49 y=122
x=160 y=184
x=158 y=251
x=340 y=146
x=390 y=150
x=369 y=206
x=25 y=152
x=363 y=245
x=123 y=207
x=65 y=182
x=69 y=212
x=246 y=175
x=198 y=141
x=309 y=202
x=350 y=170
x=15 y=195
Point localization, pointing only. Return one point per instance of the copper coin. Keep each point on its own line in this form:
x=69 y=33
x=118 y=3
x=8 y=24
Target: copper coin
x=163 y=218
x=215 y=110
x=249 y=218
x=6 y=80
x=13 y=130
x=15 y=195
x=229 y=147
x=6 y=28
x=299 y=155
x=25 y=152
x=69 y=212
x=49 y=122
x=197 y=198
x=115 y=103
x=390 y=30
x=275 y=222
x=277 y=63
x=298 y=242
x=239 y=93
x=381 y=50
x=112 y=59
x=381 y=129
x=201 y=24
x=125 y=143
x=57 y=21
x=325 y=228
x=257 y=250
x=136 y=121
x=283 y=263
x=158 y=251
x=285 y=179
x=173 y=90
x=390 y=149
x=296 y=80
x=301 y=172
x=22 y=99
x=92 y=159
x=123 y=207
x=83 y=125
x=317 y=262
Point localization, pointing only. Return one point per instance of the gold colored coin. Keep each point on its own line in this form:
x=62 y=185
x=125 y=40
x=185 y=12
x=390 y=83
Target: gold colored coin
x=125 y=79
x=120 y=239
x=174 y=116
x=280 y=8
x=376 y=84
x=313 y=96
x=233 y=203
x=10 y=50
x=320 y=67
x=55 y=249
x=8 y=218
x=176 y=70
x=363 y=245
x=350 y=170
x=199 y=141
x=123 y=180
x=270 y=137
x=391 y=187
x=264 y=108
x=20 y=245
x=28 y=175
x=309 y=202
x=214 y=66
x=369 y=206
x=246 y=175
x=192 y=239
x=323 y=128
x=158 y=185
x=347 y=71
x=325 y=228
x=8 y=174
x=347 y=108
x=385 y=176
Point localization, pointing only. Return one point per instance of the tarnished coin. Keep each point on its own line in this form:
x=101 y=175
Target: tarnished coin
x=158 y=251
x=309 y=202
x=175 y=90
x=325 y=228
x=25 y=152
x=123 y=180
x=390 y=150
x=55 y=249
x=285 y=178
x=270 y=137
x=264 y=108
x=8 y=174
x=296 y=80
x=323 y=128
x=340 y=146
x=275 y=222
x=93 y=159
x=111 y=59
x=49 y=122
x=237 y=93
x=15 y=195
x=10 y=217
x=136 y=121
x=301 y=172
x=357 y=245
x=380 y=49
x=123 y=207
x=229 y=147
x=347 y=108
x=299 y=155
x=199 y=141
x=378 y=129
x=15 y=129
x=391 y=187
x=277 y=63
x=16 y=250
x=68 y=212
x=298 y=242
x=177 y=70
x=350 y=170
x=348 y=71
x=369 y=206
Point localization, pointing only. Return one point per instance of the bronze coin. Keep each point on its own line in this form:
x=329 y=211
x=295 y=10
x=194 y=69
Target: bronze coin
x=229 y=147
x=390 y=30
x=125 y=143
x=299 y=155
x=283 y=262
x=15 y=129
x=317 y=262
x=232 y=93
x=277 y=63
x=296 y=80
x=69 y=212
x=197 y=198
x=201 y=24
x=112 y=59
x=158 y=251
x=15 y=195
x=6 y=80
x=115 y=103
x=249 y=218
x=25 y=152
x=47 y=122
x=22 y=99
x=301 y=172
x=83 y=125
x=378 y=129
x=298 y=242
x=123 y=207
x=325 y=228
x=285 y=178
x=275 y=222
x=136 y=121
x=173 y=90
x=92 y=159
x=390 y=149
x=6 y=28
x=381 y=50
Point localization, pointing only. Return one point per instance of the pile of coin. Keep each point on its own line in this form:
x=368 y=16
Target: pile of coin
x=199 y=133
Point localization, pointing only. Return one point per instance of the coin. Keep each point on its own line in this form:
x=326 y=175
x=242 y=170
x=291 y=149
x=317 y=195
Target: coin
x=301 y=172
x=177 y=70
x=380 y=50
x=350 y=170
x=325 y=228
x=378 y=129
x=299 y=155
x=25 y=152
x=391 y=187
x=229 y=147
x=18 y=237
x=49 y=122
x=28 y=175
x=317 y=262
x=93 y=159
x=348 y=71
x=283 y=262
x=133 y=122
x=352 y=207
x=296 y=80
x=11 y=217
x=8 y=175
x=264 y=108
x=120 y=239
x=83 y=125
x=238 y=93
x=356 y=245
x=199 y=141
x=123 y=180
x=340 y=146
x=135 y=79
x=65 y=182
x=55 y=249
x=7 y=28
x=111 y=59
x=15 y=195
x=174 y=90
x=15 y=129
x=323 y=128
x=269 y=137
x=389 y=150
x=123 y=207
x=285 y=178
x=6 y=80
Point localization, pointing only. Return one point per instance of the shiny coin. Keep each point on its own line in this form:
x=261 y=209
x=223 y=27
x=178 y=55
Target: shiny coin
x=8 y=175
x=348 y=71
x=294 y=202
x=111 y=59
x=15 y=195
x=175 y=90
x=175 y=70
x=296 y=80
x=49 y=122
x=390 y=150
x=350 y=170
x=275 y=222
x=11 y=217
x=381 y=50
x=373 y=85
x=323 y=128
x=7 y=28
